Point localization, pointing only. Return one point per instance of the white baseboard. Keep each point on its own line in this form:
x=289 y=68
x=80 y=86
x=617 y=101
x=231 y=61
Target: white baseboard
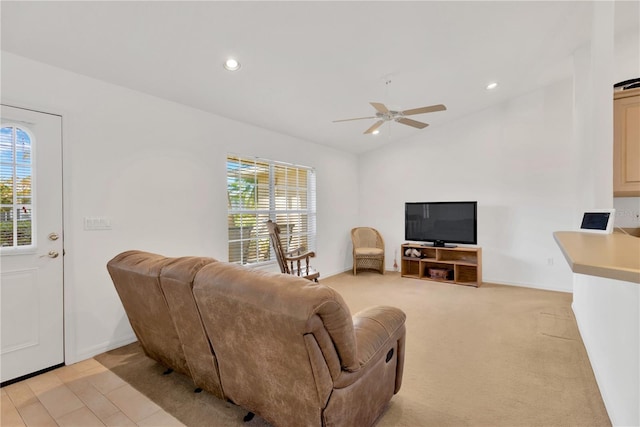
x=527 y=285
x=88 y=353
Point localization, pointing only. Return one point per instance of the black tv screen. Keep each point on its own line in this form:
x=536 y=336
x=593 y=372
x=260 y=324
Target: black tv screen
x=441 y=222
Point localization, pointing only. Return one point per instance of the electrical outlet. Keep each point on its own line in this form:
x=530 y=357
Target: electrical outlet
x=627 y=212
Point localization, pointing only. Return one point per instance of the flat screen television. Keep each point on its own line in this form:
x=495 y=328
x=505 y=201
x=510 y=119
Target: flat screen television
x=441 y=223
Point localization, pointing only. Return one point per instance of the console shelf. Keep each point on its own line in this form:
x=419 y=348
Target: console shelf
x=463 y=264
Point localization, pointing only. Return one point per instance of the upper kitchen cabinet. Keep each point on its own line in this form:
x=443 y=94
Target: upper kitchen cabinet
x=626 y=143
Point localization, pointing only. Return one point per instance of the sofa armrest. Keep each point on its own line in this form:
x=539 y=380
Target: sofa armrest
x=378 y=330
x=375 y=328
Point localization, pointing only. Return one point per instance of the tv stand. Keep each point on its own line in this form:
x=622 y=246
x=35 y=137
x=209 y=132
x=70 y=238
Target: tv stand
x=440 y=244
x=464 y=264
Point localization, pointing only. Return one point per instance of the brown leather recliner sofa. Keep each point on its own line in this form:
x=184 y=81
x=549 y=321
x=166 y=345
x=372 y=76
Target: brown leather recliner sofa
x=280 y=346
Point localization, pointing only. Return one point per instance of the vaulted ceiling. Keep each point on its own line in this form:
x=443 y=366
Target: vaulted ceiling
x=305 y=64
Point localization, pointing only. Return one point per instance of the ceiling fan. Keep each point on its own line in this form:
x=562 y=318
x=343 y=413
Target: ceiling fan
x=383 y=114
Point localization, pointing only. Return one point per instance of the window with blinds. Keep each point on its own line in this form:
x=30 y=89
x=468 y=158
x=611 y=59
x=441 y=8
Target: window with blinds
x=259 y=190
x=16 y=228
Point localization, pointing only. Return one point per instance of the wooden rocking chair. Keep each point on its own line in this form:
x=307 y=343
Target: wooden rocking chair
x=290 y=262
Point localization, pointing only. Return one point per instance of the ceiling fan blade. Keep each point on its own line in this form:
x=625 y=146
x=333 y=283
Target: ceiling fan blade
x=422 y=110
x=357 y=118
x=379 y=107
x=374 y=127
x=410 y=122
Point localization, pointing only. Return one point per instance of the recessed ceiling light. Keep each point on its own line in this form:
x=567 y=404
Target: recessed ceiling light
x=231 y=65
x=492 y=85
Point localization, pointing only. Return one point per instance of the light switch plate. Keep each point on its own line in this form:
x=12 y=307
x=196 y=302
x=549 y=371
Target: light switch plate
x=97 y=223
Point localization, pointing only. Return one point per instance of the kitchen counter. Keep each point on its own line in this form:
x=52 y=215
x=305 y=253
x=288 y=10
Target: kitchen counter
x=613 y=256
x=606 y=303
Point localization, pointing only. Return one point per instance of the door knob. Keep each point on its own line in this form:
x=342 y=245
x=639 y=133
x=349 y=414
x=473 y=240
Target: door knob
x=53 y=236
x=53 y=254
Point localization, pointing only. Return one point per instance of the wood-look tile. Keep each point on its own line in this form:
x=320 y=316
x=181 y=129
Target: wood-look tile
x=20 y=394
x=82 y=417
x=132 y=403
x=43 y=383
x=9 y=416
x=86 y=365
x=35 y=415
x=96 y=401
x=60 y=401
x=79 y=385
x=68 y=374
x=85 y=394
x=160 y=418
x=119 y=420
x=105 y=381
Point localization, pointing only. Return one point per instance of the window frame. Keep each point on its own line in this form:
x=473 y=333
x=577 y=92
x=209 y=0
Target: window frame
x=261 y=237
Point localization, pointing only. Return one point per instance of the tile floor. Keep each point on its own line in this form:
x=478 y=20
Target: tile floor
x=84 y=394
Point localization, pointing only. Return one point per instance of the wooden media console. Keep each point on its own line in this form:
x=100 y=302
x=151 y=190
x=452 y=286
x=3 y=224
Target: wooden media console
x=463 y=264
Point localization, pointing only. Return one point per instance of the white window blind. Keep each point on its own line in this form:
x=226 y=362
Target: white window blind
x=16 y=227
x=259 y=190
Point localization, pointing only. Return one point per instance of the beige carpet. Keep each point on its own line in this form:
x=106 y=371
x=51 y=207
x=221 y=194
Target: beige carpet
x=492 y=356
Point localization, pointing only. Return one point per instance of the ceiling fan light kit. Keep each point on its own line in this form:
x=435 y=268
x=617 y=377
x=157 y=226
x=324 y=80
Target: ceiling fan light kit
x=383 y=114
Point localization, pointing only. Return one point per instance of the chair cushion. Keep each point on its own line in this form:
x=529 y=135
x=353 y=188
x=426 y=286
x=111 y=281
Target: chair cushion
x=369 y=251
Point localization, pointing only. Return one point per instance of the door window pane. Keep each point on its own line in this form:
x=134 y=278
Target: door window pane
x=16 y=191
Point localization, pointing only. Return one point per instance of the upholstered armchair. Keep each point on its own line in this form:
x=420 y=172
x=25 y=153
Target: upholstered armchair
x=368 y=249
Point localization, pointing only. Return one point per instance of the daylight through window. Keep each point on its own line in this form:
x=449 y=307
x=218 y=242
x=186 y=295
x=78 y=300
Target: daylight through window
x=15 y=187
x=259 y=190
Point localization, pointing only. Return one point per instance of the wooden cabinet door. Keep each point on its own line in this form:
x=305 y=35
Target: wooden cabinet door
x=626 y=143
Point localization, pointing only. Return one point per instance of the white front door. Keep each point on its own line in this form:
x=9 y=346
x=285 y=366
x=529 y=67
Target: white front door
x=31 y=246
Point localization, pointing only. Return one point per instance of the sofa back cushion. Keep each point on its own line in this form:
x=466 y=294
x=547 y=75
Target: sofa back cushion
x=176 y=281
x=257 y=322
x=136 y=277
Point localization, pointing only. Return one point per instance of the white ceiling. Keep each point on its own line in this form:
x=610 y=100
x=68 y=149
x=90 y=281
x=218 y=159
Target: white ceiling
x=305 y=64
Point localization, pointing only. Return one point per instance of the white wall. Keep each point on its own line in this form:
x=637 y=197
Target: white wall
x=626 y=53
x=533 y=164
x=516 y=159
x=157 y=170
